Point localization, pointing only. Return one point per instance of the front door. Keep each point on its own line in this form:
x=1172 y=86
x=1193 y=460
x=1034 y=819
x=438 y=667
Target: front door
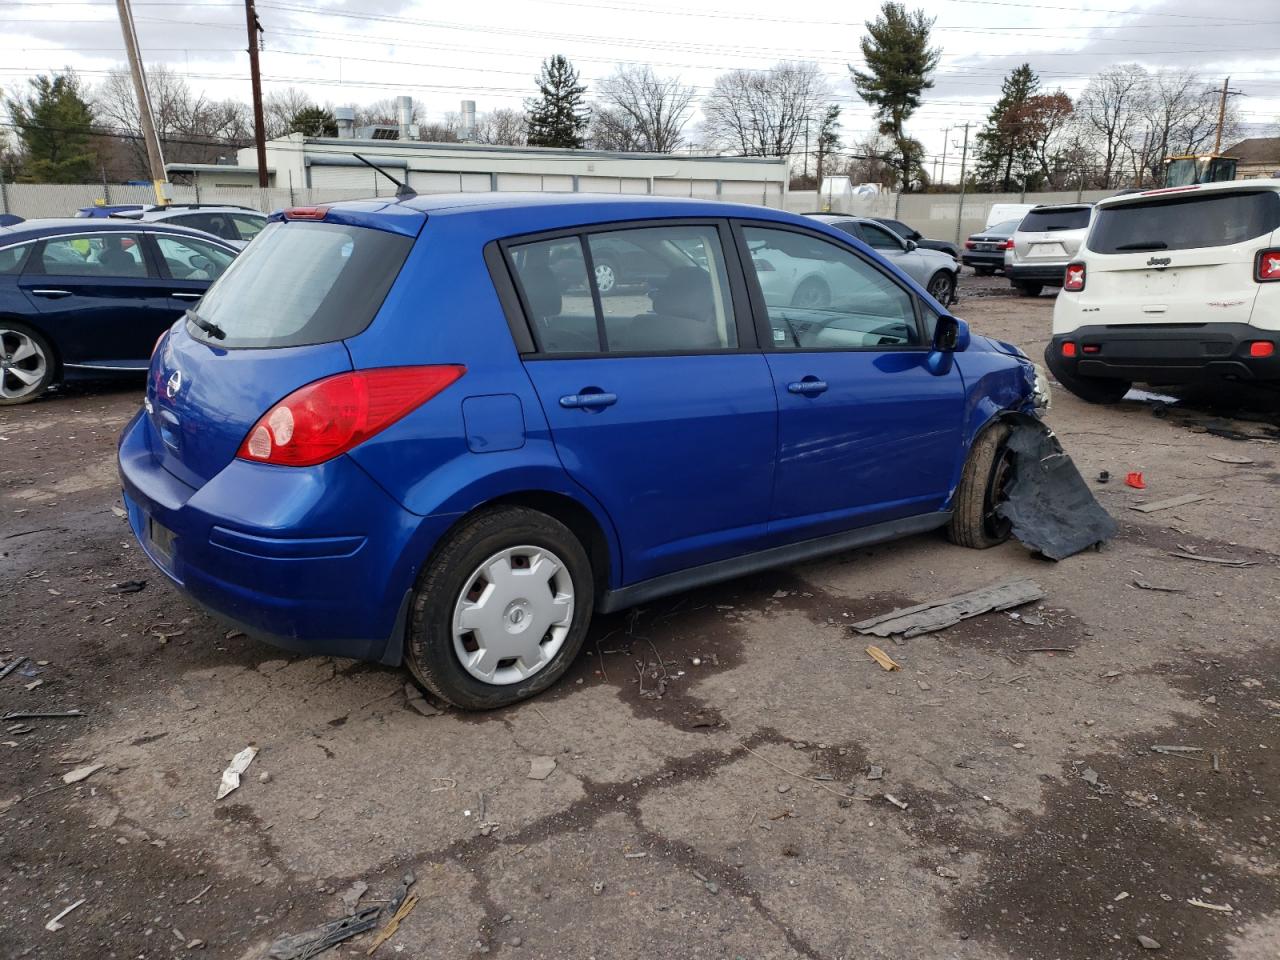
x=866 y=433
x=659 y=403
x=101 y=297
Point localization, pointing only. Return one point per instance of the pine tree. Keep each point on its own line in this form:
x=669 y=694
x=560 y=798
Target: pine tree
x=560 y=116
x=828 y=139
x=899 y=63
x=1005 y=145
x=54 y=124
x=314 y=121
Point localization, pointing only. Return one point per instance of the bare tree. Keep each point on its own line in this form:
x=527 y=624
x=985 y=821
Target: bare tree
x=642 y=111
x=444 y=130
x=279 y=107
x=503 y=126
x=1109 y=111
x=762 y=113
x=1181 y=117
x=873 y=161
x=386 y=112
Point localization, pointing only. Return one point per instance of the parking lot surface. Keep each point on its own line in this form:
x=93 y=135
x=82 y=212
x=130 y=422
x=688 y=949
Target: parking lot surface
x=710 y=795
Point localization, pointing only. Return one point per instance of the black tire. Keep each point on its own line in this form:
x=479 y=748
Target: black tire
x=1026 y=288
x=1088 y=389
x=429 y=650
x=974 y=522
x=942 y=287
x=983 y=271
x=813 y=293
x=10 y=332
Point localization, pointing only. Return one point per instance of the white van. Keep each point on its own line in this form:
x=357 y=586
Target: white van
x=1172 y=286
x=1000 y=212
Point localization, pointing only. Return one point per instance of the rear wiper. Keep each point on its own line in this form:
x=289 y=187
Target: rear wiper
x=1146 y=245
x=208 y=326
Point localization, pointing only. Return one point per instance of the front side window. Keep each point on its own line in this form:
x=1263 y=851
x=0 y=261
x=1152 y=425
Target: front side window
x=191 y=259
x=880 y=238
x=12 y=258
x=820 y=296
x=104 y=255
x=649 y=290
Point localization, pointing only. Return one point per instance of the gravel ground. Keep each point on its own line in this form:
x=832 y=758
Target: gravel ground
x=731 y=817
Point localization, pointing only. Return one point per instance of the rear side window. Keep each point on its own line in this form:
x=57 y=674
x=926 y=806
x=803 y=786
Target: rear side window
x=113 y=255
x=247 y=225
x=1186 y=222
x=643 y=290
x=303 y=283
x=12 y=259
x=1042 y=221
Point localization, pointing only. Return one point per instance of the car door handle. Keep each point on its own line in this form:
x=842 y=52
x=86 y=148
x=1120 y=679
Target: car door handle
x=588 y=401
x=809 y=386
x=52 y=294
x=182 y=295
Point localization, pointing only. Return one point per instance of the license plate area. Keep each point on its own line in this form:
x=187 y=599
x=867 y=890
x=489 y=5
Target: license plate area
x=161 y=539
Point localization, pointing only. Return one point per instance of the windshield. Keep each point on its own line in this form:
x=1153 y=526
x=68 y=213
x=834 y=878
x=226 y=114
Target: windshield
x=1043 y=221
x=1186 y=222
x=301 y=283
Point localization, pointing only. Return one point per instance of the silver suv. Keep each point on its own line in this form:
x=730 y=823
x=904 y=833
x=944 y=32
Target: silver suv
x=236 y=225
x=1046 y=240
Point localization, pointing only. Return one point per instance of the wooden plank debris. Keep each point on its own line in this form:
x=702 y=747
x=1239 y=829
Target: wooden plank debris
x=940 y=614
x=1168 y=504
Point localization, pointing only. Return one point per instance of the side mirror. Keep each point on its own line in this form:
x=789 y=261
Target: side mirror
x=911 y=245
x=951 y=335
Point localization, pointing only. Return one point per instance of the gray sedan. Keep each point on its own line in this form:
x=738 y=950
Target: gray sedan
x=933 y=270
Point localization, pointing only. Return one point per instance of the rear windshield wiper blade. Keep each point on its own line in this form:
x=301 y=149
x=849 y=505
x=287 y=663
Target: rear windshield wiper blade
x=1146 y=245
x=208 y=326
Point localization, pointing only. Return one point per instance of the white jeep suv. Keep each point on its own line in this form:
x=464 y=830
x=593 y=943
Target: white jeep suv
x=1172 y=286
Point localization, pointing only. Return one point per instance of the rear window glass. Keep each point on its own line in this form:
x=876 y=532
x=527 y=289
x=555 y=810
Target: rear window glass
x=1040 y=221
x=1186 y=222
x=302 y=283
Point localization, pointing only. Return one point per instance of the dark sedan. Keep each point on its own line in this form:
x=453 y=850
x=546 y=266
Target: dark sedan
x=89 y=298
x=985 y=251
x=921 y=241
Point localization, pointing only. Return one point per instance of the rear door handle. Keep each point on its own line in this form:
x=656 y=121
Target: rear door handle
x=588 y=401
x=809 y=386
x=52 y=294
x=186 y=296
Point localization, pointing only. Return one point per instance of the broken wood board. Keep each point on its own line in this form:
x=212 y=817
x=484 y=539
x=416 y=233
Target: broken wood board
x=940 y=614
x=1222 y=560
x=882 y=658
x=1229 y=458
x=1170 y=503
x=1143 y=585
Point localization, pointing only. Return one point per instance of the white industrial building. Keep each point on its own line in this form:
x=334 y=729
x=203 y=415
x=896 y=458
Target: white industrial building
x=325 y=168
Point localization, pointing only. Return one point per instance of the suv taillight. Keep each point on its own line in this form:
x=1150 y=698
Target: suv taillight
x=326 y=418
x=1074 y=279
x=1267 y=266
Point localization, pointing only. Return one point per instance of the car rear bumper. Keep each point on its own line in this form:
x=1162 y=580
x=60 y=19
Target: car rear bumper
x=318 y=560
x=993 y=259
x=1049 y=273
x=1168 y=354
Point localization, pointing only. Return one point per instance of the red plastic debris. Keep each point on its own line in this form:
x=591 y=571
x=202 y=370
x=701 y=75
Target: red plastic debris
x=1135 y=480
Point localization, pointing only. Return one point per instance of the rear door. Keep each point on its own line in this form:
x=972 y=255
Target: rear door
x=189 y=264
x=866 y=433
x=1178 y=258
x=659 y=401
x=101 y=296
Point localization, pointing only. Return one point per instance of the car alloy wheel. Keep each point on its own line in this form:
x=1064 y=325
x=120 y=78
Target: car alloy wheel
x=513 y=615
x=24 y=367
x=812 y=294
x=941 y=288
x=606 y=277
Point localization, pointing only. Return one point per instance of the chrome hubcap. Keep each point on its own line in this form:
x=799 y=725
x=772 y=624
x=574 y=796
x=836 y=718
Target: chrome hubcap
x=22 y=364
x=513 y=615
x=605 y=278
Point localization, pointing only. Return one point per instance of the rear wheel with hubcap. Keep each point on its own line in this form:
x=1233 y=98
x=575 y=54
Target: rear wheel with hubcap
x=501 y=610
x=942 y=287
x=27 y=365
x=812 y=294
x=606 y=276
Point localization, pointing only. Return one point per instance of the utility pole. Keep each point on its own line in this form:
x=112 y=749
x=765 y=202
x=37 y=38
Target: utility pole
x=964 y=156
x=1142 y=160
x=806 y=150
x=254 y=26
x=946 y=135
x=155 y=158
x=1222 y=116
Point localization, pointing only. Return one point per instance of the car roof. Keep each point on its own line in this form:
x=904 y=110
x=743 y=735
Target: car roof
x=35 y=229
x=1229 y=186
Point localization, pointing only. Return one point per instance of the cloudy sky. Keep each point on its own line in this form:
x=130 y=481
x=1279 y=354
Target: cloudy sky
x=352 y=51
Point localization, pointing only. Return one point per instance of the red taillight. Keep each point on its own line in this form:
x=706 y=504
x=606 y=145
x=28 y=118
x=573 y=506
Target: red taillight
x=305 y=213
x=1074 y=280
x=969 y=244
x=1267 y=266
x=324 y=419
x=1262 y=348
x=1007 y=245
x=1068 y=348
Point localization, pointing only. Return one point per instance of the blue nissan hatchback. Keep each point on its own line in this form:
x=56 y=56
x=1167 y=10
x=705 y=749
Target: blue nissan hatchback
x=416 y=431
